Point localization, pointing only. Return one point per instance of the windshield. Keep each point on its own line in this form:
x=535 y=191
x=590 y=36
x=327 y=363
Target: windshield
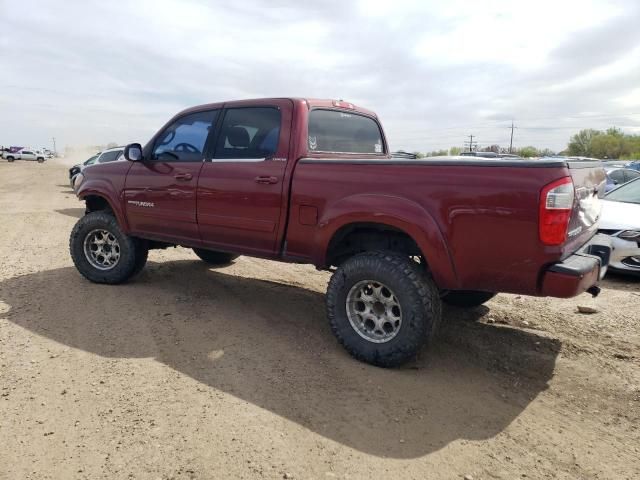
x=629 y=192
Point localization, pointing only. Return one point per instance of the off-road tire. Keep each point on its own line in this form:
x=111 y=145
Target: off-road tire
x=415 y=291
x=133 y=251
x=467 y=298
x=215 y=258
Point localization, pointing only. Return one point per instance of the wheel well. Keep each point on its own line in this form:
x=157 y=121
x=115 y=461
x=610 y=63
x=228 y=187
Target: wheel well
x=96 y=203
x=362 y=237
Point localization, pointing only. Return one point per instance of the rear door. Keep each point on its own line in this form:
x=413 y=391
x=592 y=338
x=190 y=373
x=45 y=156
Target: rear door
x=160 y=192
x=240 y=188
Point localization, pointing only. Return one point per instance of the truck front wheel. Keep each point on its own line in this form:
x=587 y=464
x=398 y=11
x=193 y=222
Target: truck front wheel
x=215 y=258
x=102 y=253
x=382 y=307
x=467 y=298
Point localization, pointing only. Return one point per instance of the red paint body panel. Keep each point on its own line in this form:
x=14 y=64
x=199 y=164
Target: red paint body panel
x=160 y=200
x=475 y=221
x=236 y=209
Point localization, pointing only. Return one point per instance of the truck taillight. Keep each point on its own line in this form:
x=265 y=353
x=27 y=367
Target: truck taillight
x=556 y=205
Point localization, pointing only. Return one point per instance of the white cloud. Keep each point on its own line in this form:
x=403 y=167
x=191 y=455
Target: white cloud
x=93 y=71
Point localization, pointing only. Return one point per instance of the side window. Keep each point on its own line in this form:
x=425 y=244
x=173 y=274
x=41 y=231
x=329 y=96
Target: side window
x=617 y=176
x=109 y=156
x=249 y=133
x=185 y=139
x=630 y=175
x=343 y=132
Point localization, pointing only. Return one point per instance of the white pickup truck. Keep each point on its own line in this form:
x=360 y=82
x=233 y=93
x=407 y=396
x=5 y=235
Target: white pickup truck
x=26 y=154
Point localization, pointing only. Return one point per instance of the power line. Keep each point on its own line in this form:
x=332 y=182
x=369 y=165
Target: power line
x=471 y=143
x=511 y=140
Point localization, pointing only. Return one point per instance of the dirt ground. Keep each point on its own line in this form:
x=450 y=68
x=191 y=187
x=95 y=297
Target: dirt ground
x=194 y=373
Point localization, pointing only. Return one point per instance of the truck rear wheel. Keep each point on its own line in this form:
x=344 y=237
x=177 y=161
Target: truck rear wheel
x=382 y=307
x=10 y=159
x=467 y=298
x=215 y=258
x=102 y=253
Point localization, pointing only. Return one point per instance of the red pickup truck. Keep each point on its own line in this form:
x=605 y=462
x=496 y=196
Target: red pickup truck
x=312 y=181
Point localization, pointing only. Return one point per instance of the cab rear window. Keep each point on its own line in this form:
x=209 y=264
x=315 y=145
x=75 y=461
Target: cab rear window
x=343 y=132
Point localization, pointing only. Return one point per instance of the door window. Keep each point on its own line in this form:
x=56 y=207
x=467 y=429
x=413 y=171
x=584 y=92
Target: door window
x=185 y=139
x=249 y=133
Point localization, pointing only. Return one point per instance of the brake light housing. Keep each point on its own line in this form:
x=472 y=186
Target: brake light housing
x=343 y=104
x=557 y=200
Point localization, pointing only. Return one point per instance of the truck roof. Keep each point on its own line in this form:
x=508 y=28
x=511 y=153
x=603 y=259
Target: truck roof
x=309 y=102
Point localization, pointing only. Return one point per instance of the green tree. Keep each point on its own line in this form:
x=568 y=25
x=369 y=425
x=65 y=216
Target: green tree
x=546 y=152
x=527 y=152
x=455 y=151
x=580 y=143
x=607 y=146
x=437 y=153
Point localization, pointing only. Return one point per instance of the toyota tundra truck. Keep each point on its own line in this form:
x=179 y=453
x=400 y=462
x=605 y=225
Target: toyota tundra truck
x=312 y=181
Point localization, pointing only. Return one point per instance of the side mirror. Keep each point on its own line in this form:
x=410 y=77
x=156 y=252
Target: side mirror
x=133 y=152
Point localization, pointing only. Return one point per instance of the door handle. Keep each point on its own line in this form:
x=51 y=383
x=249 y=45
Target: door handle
x=266 y=180
x=183 y=176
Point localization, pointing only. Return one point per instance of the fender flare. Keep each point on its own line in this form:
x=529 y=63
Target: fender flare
x=103 y=189
x=399 y=213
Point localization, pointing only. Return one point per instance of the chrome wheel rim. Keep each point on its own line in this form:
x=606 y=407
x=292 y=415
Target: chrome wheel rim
x=374 y=311
x=102 y=250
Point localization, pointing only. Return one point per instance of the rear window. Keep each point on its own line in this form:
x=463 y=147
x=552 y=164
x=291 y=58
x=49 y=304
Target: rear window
x=343 y=132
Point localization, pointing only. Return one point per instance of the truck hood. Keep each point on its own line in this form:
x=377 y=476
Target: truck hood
x=619 y=216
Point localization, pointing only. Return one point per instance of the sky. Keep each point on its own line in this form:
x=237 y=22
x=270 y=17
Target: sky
x=92 y=72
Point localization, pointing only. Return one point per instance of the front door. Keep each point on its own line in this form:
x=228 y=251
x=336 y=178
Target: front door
x=240 y=187
x=160 y=191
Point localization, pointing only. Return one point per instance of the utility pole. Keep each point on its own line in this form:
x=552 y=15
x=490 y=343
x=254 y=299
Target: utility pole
x=470 y=143
x=511 y=141
x=54 y=146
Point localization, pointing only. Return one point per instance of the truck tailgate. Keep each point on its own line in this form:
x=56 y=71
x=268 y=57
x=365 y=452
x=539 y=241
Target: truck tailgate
x=589 y=183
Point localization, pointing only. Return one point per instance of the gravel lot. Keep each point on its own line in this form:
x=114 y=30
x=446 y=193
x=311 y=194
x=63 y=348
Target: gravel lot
x=194 y=373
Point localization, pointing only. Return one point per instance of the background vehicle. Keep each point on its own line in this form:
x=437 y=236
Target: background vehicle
x=108 y=155
x=26 y=154
x=619 y=176
x=311 y=181
x=621 y=221
x=76 y=169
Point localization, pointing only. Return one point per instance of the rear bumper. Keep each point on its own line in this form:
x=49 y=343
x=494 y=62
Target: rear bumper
x=579 y=272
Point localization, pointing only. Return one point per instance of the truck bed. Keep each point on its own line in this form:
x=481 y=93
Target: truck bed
x=476 y=220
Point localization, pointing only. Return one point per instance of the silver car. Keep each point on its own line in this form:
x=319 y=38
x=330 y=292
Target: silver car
x=106 y=156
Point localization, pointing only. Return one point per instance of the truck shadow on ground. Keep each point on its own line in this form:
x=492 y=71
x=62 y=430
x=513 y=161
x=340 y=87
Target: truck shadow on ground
x=269 y=344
